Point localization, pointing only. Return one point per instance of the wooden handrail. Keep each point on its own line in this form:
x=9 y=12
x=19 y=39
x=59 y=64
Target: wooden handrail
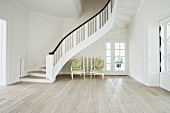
x=51 y=53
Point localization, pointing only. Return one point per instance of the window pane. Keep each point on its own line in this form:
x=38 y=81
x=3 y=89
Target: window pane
x=108 y=52
x=168 y=48
x=168 y=31
x=108 y=45
x=116 y=52
x=108 y=59
x=122 y=52
x=116 y=59
x=122 y=59
x=108 y=67
x=162 y=49
x=116 y=45
x=122 y=45
x=122 y=67
x=162 y=32
x=162 y=65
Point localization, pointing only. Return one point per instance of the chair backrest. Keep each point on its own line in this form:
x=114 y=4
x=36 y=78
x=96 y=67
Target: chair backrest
x=99 y=63
x=75 y=63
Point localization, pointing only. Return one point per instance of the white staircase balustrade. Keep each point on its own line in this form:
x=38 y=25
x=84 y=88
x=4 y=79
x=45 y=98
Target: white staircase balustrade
x=80 y=38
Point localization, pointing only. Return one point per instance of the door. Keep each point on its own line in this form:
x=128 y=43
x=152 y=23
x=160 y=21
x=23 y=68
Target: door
x=115 y=57
x=164 y=31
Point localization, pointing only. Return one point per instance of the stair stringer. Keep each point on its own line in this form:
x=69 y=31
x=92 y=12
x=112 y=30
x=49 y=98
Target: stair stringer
x=88 y=41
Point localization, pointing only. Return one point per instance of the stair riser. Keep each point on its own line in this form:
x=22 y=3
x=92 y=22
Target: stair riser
x=37 y=75
x=35 y=80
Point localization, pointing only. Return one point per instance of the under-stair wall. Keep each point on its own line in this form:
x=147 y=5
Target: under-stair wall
x=98 y=46
x=80 y=38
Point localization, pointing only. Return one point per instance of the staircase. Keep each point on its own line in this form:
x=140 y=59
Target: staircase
x=115 y=16
x=77 y=40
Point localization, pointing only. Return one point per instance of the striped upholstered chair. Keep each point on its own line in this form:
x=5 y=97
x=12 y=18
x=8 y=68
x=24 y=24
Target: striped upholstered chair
x=97 y=68
x=76 y=67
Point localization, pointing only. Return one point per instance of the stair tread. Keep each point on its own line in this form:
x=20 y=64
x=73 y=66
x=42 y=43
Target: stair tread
x=37 y=72
x=33 y=77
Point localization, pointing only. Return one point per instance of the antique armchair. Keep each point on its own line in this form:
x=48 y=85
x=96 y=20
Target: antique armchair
x=76 y=67
x=97 y=68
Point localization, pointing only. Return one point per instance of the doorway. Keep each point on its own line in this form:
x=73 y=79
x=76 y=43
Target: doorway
x=115 y=57
x=3 y=27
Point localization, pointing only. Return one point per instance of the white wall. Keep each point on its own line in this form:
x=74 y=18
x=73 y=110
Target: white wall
x=78 y=6
x=97 y=49
x=17 y=37
x=142 y=49
x=44 y=35
x=45 y=32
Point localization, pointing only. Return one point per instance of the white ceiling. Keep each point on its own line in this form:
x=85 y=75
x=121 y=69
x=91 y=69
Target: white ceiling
x=126 y=11
x=63 y=9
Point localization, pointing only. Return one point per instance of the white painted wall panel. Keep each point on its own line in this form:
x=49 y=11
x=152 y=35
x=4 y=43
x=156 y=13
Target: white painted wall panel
x=44 y=35
x=17 y=37
x=140 y=44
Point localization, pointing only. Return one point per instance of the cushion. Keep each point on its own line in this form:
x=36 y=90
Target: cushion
x=78 y=70
x=97 y=71
x=76 y=63
x=99 y=63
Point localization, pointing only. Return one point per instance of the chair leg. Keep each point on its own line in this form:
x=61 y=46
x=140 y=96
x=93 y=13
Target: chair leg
x=72 y=75
x=84 y=74
x=90 y=75
x=102 y=75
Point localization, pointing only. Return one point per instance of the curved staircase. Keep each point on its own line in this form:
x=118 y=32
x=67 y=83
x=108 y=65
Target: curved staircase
x=77 y=40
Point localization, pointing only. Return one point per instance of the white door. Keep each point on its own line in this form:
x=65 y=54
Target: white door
x=115 y=57
x=165 y=54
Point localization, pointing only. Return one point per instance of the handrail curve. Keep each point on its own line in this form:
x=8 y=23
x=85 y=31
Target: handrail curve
x=51 y=53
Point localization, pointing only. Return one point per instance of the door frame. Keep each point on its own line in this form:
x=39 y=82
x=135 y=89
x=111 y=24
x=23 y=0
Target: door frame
x=112 y=72
x=164 y=76
x=3 y=51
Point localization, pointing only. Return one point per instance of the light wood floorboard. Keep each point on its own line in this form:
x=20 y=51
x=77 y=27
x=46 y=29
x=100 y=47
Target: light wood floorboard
x=114 y=94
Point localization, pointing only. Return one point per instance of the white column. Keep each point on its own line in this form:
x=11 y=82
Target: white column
x=49 y=67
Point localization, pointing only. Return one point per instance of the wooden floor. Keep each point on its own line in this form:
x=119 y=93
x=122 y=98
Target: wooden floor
x=119 y=94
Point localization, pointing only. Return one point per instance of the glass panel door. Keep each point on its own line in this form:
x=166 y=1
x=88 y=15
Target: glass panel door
x=108 y=56
x=115 y=57
x=119 y=58
x=165 y=55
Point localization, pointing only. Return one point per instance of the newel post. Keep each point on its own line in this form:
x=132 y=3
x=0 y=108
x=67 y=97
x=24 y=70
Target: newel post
x=49 y=67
